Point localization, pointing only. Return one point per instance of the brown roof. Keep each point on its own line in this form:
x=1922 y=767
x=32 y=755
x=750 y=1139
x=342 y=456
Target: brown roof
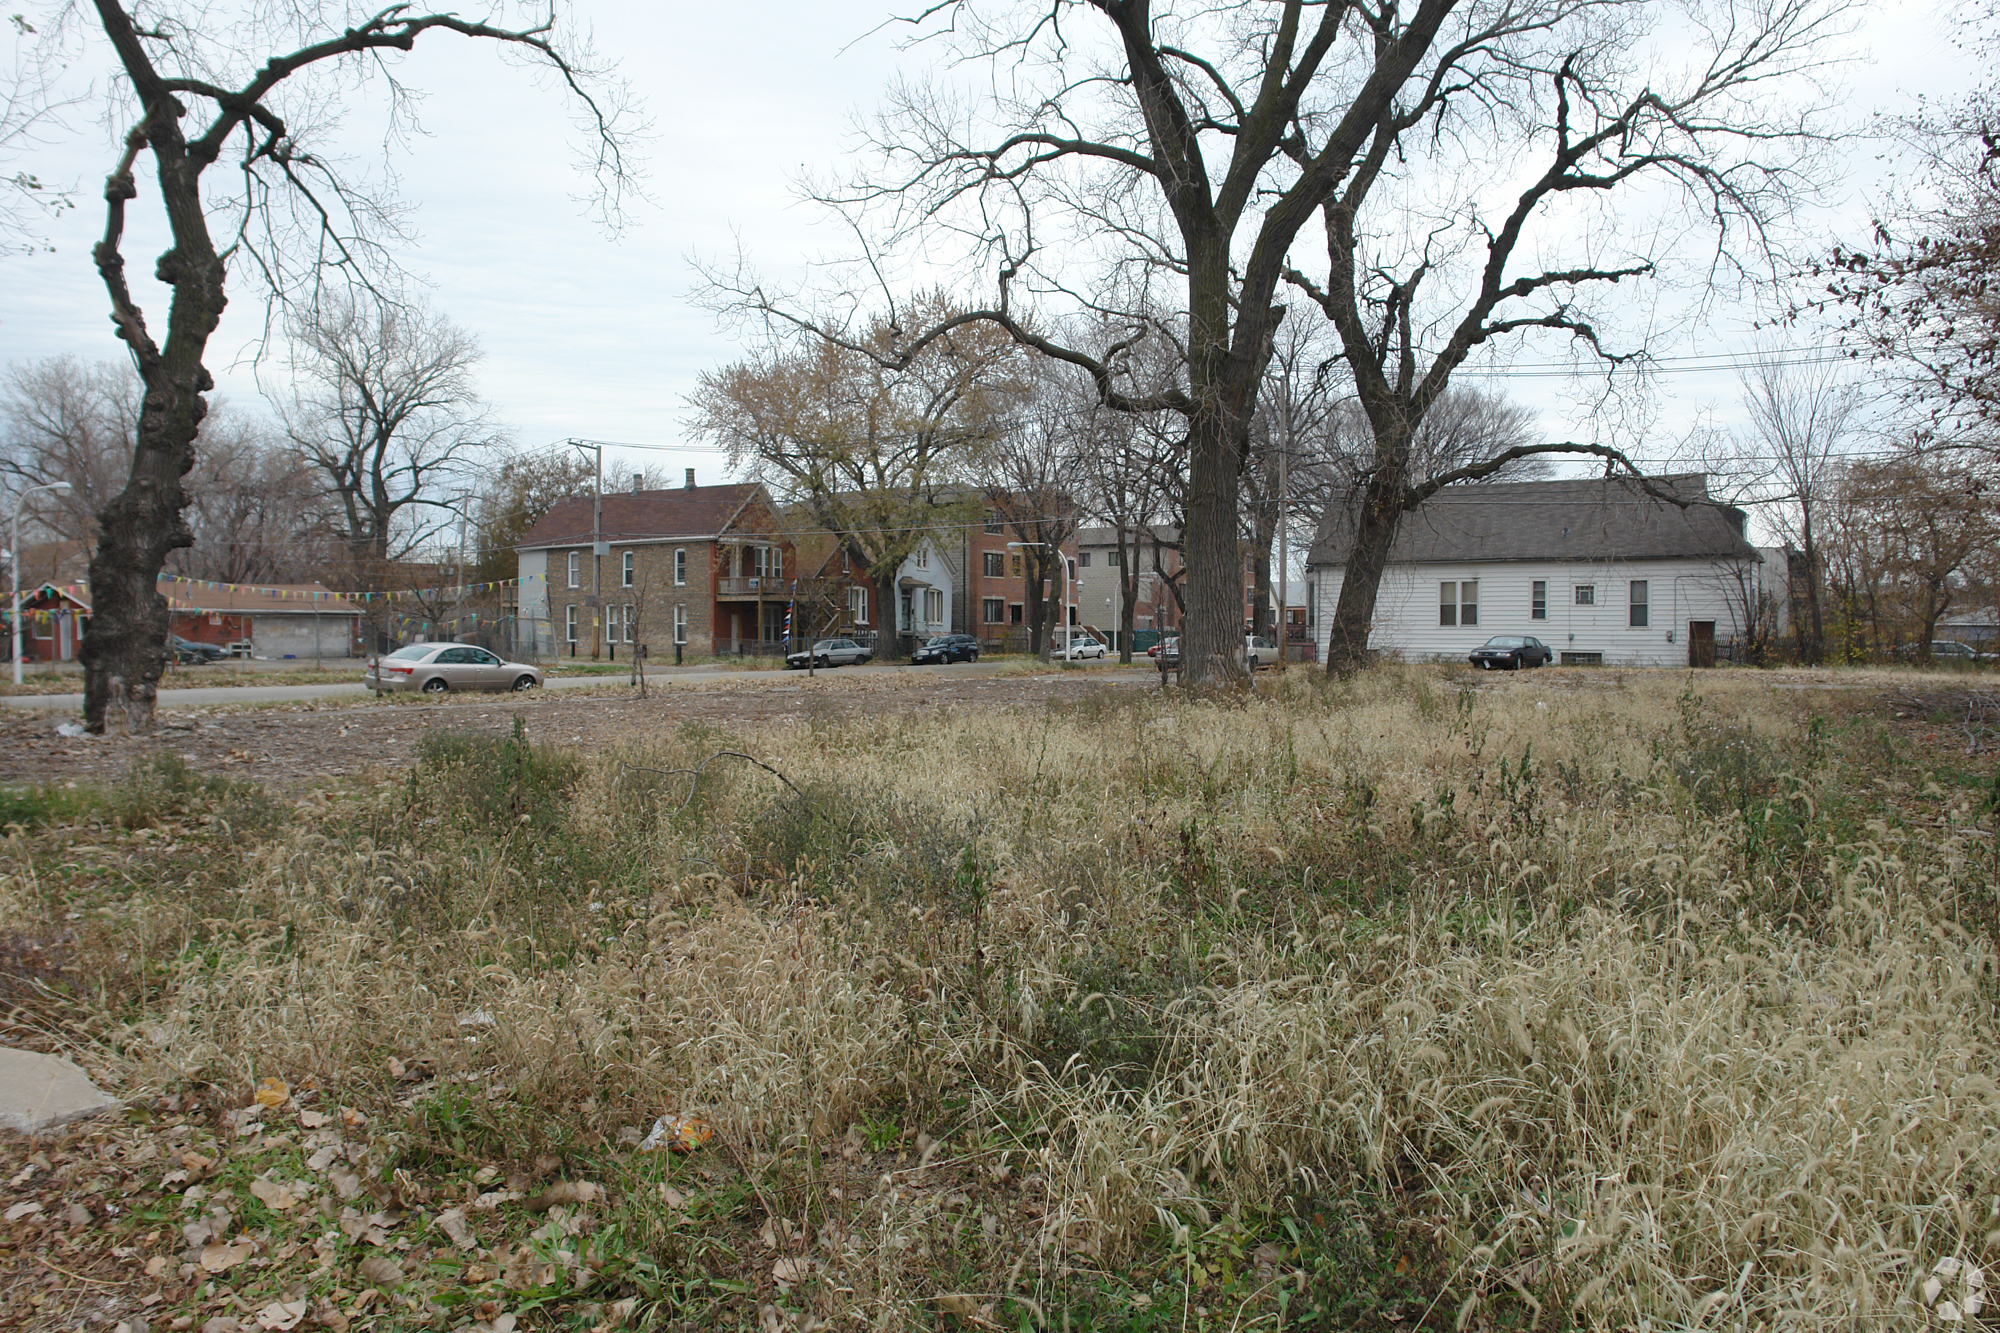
x=1597 y=518
x=240 y=599
x=686 y=511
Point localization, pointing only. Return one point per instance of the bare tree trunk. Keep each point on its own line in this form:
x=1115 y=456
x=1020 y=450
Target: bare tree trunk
x=1381 y=513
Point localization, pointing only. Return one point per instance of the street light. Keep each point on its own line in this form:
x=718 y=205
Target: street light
x=19 y=500
x=1062 y=560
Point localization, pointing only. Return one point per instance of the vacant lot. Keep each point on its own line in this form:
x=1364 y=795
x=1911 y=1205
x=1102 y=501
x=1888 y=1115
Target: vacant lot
x=1424 y=1000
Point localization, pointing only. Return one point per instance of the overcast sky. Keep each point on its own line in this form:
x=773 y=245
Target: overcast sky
x=593 y=337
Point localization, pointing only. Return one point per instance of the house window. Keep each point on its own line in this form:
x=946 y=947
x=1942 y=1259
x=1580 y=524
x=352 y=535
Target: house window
x=1586 y=594
x=777 y=562
x=680 y=571
x=1116 y=559
x=569 y=622
x=1312 y=603
x=1458 y=603
x=680 y=624
x=993 y=525
x=1017 y=567
x=1538 y=600
x=1639 y=607
x=1083 y=561
x=1448 y=603
x=576 y=569
x=625 y=572
x=857 y=605
x=921 y=557
x=993 y=610
x=934 y=606
x=631 y=622
x=996 y=565
x=611 y=624
x=1013 y=613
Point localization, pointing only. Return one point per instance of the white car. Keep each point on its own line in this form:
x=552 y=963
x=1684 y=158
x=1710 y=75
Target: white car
x=1259 y=652
x=1080 y=647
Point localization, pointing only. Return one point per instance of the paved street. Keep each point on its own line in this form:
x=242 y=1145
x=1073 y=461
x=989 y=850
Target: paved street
x=275 y=693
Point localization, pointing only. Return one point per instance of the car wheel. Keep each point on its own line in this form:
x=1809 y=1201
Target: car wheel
x=973 y=656
x=524 y=682
x=436 y=685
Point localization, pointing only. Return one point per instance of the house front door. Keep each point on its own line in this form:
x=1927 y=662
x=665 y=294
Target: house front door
x=1701 y=643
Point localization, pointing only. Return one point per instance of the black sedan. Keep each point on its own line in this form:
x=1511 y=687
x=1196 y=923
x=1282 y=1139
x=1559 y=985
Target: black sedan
x=946 y=648
x=189 y=653
x=1510 y=652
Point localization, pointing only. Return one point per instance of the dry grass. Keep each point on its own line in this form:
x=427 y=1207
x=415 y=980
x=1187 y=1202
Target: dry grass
x=1415 y=1001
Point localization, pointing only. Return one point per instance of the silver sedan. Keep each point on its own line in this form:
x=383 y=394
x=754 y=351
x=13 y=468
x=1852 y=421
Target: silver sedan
x=436 y=668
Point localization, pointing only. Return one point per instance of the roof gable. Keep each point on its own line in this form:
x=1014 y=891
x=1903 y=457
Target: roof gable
x=1589 y=519
x=686 y=511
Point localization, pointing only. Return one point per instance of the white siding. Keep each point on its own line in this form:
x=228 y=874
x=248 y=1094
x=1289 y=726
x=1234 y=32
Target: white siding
x=1678 y=592
x=538 y=633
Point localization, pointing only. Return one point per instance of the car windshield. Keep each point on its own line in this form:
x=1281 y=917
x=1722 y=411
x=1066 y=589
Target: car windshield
x=413 y=652
x=941 y=641
x=1503 y=641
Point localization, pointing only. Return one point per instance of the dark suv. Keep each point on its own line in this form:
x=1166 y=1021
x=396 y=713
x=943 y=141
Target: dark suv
x=947 y=648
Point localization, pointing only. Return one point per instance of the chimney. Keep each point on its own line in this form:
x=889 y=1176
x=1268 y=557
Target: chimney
x=690 y=485
x=638 y=482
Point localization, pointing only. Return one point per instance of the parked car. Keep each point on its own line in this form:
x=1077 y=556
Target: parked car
x=1510 y=652
x=1080 y=647
x=1258 y=652
x=946 y=648
x=188 y=652
x=1167 y=652
x=830 y=653
x=436 y=668
x=1944 y=652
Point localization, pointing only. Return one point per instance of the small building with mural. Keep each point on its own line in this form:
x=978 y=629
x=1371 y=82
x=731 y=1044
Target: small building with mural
x=53 y=618
x=276 y=621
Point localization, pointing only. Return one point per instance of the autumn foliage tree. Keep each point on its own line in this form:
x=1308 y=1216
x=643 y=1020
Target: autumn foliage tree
x=875 y=454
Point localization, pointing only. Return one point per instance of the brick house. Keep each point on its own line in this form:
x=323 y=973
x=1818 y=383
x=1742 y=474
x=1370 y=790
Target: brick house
x=990 y=592
x=704 y=568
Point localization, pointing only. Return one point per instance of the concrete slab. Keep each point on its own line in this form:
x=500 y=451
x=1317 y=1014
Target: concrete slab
x=39 y=1092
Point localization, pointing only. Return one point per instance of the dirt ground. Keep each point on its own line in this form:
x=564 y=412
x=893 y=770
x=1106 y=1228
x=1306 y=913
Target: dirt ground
x=296 y=744
x=287 y=745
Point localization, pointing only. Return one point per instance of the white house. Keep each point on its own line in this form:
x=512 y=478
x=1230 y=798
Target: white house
x=924 y=596
x=1598 y=569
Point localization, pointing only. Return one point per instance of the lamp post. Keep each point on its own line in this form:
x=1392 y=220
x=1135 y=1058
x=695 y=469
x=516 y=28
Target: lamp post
x=20 y=500
x=1063 y=561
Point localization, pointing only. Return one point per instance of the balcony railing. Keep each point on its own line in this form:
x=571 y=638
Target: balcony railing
x=752 y=587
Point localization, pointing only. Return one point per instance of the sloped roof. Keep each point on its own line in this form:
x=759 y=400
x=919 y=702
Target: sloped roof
x=1592 y=519
x=685 y=511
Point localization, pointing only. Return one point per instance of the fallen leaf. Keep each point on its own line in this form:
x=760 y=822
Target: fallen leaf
x=273 y=1091
x=347 y=1184
x=219 y=1258
x=222 y=1323
x=156 y=1265
x=77 y=1215
x=21 y=1210
x=381 y=1270
x=326 y=1156
x=573 y=1192
x=281 y=1314
x=452 y=1222
x=476 y=1274
x=792 y=1269
x=313 y=1119
x=275 y=1195
x=352 y=1118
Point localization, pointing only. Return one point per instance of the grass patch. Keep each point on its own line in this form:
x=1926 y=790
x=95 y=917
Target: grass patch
x=1409 y=1001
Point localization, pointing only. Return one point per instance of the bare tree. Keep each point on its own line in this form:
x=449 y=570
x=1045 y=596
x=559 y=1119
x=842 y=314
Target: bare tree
x=257 y=88
x=1198 y=142
x=513 y=499
x=30 y=112
x=256 y=509
x=1925 y=520
x=68 y=421
x=1803 y=419
x=387 y=411
x=1034 y=477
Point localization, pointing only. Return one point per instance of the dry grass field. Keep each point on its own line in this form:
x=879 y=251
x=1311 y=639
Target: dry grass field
x=1575 y=1000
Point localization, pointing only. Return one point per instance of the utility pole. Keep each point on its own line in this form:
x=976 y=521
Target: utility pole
x=596 y=547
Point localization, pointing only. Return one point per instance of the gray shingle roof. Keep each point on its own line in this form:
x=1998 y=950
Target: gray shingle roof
x=1595 y=518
